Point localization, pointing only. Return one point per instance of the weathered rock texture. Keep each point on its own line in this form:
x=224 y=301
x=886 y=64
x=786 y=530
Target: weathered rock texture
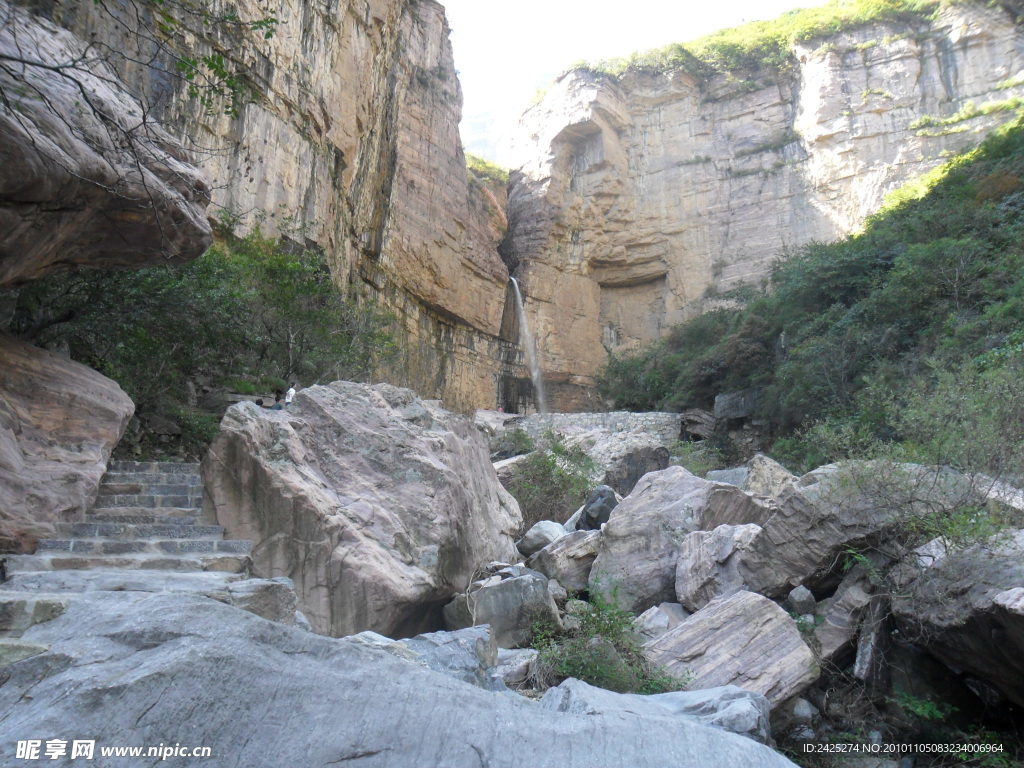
x=569 y=559
x=84 y=180
x=744 y=640
x=640 y=544
x=378 y=505
x=657 y=191
x=59 y=421
x=968 y=611
x=151 y=669
x=353 y=140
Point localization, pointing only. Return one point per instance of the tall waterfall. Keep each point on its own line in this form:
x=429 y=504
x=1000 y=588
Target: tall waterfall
x=530 y=344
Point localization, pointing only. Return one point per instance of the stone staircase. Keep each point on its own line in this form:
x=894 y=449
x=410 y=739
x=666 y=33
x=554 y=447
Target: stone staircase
x=145 y=517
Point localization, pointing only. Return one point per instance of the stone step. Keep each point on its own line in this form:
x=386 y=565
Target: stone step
x=147 y=501
x=148 y=478
x=59 y=562
x=118 y=580
x=126 y=530
x=144 y=489
x=163 y=467
x=167 y=516
x=141 y=546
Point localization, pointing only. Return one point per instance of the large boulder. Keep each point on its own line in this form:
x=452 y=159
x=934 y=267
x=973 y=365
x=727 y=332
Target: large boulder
x=744 y=639
x=841 y=506
x=761 y=475
x=967 y=609
x=621 y=458
x=569 y=559
x=85 y=179
x=838 y=618
x=729 y=707
x=711 y=564
x=59 y=421
x=512 y=601
x=150 y=669
x=378 y=505
x=640 y=542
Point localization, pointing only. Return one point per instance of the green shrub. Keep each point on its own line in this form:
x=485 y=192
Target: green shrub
x=767 y=45
x=251 y=313
x=907 y=334
x=603 y=651
x=486 y=170
x=551 y=483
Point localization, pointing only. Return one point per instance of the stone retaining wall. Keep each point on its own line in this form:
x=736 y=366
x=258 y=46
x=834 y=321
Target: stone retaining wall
x=666 y=426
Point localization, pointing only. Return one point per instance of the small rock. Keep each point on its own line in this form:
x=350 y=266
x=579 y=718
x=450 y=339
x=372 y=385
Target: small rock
x=801 y=600
x=597 y=509
x=539 y=536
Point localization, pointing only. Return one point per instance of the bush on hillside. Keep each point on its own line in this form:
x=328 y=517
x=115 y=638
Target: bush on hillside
x=551 y=483
x=918 y=314
x=251 y=314
x=604 y=651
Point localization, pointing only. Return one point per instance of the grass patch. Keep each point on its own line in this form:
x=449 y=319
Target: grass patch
x=485 y=170
x=603 y=651
x=761 y=46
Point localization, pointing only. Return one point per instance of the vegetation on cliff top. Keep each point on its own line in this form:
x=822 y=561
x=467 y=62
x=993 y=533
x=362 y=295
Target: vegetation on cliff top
x=250 y=315
x=766 y=45
x=908 y=334
x=486 y=170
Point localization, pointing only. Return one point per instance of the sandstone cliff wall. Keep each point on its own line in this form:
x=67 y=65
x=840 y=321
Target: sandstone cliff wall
x=643 y=198
x=352 y=146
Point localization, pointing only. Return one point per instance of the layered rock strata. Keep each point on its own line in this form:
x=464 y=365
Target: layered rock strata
x=378 y=505
x=642 y=198
x=351 y=146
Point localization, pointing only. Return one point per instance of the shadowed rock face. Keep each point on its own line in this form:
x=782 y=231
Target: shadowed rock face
x=967 y=609
x=379 y=505
x=136 y=668
x=59 y=421
x=84 y=181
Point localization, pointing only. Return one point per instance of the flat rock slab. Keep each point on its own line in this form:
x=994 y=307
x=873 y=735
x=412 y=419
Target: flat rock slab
x=729 y=707
x=744 y=639
x=138 y=668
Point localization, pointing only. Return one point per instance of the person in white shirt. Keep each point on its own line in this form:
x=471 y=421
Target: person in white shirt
x=290 y=394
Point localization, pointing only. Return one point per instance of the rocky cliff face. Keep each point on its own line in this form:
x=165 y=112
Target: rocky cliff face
x=352 y=146
x=643 y=198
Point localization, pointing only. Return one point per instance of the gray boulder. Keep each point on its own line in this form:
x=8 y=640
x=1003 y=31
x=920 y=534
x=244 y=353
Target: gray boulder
x=801 y=600
x=640 y=543
x=569 y=559
x=729 y=707
x=511 y=603
x=659 y=619
x=380 y=506
x=139 y=668
x=539 y=536
x=967 y=610
x=597 y=508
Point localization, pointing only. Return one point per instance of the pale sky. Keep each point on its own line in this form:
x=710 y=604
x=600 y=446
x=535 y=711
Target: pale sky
x=506 y=51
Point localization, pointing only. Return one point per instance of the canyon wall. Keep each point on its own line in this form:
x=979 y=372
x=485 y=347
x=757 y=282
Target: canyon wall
x=643 y=199
x=350 y=145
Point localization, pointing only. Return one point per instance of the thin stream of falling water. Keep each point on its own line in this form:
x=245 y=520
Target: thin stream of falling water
x=527 y=340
